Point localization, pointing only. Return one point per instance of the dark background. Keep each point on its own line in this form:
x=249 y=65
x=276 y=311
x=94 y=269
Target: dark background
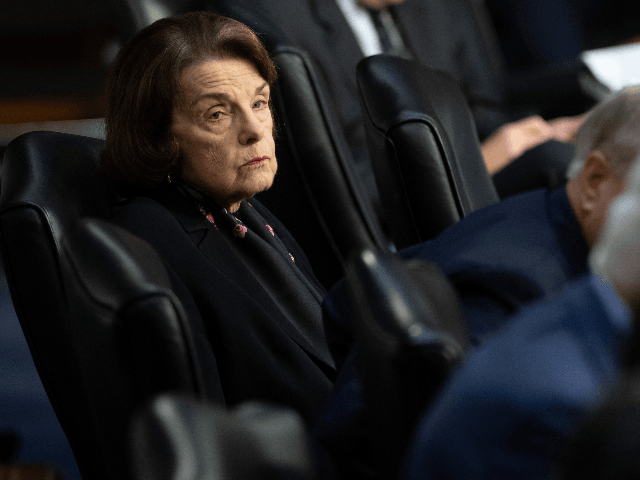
x=52 y=67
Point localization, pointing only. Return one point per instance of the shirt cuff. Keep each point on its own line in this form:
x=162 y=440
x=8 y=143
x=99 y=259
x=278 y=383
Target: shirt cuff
x=618 y=311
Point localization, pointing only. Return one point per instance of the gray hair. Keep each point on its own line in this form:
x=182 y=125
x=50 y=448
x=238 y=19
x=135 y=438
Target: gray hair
x=613 y=128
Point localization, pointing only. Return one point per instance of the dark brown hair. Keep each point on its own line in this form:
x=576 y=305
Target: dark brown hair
x=143 y=83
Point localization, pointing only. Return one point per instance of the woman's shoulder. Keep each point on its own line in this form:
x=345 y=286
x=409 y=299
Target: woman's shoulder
x=156 y=212
x=141 y=206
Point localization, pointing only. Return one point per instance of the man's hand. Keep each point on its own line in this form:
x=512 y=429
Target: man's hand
x=512 y=140
x=565 y=128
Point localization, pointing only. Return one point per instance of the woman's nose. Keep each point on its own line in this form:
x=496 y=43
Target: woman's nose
x=251 y=130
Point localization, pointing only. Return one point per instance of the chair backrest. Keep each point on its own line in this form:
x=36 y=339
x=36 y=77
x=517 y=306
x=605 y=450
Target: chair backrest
x=48 y=182
x=317 y=196
x=94 y=302
x=180 y=438
x=410 y=335
x=424 y=147
x=130 y=334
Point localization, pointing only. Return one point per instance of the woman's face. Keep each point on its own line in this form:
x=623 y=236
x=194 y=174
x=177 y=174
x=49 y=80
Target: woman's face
x=224 y=129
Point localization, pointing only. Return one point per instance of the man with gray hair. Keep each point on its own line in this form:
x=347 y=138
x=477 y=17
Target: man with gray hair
x=507 y=412
x=606 y=145
x=530 y=245
x=546 y=331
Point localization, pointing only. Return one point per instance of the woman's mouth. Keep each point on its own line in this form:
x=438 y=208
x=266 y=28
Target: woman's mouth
x=257 y=160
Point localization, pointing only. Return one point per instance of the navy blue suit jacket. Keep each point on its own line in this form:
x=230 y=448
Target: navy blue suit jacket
x=505 y=255
x=505 y=412
x=500 y=258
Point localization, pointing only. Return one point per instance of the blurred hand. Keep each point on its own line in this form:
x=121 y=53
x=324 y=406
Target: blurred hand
x=616 y=255
x=565 y=128
x=513 y=139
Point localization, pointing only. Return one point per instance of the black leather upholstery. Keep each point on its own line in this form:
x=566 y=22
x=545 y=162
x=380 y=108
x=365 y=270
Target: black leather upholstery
x=423 y=146
x=33 y=217
x=315 y=193
x=94 y=302
x=130 y=333
x=179 y=438
x=409 y=336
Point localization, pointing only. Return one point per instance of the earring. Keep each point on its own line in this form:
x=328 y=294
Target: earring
x=169 y=179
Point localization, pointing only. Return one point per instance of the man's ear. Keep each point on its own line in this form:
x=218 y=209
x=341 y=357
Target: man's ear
x=596 y=170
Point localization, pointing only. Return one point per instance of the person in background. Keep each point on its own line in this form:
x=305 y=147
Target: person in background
x=507 y=262
x=377 y=31
x=507 y=411
x=531 y=245
x=443 y=35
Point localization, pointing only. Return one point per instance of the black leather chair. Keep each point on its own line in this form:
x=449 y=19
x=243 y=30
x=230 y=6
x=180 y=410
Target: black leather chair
x=95 y=305
x=409 y=337
x=423 y=146
x=31 y=229
x=316 y=194
x=179 y=438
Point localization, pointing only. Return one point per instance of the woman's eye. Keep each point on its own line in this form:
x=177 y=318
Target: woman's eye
x=215 y=115
x=259 y=104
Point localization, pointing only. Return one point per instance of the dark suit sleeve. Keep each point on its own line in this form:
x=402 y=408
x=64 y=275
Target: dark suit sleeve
x=490 y=299
x=507 y=409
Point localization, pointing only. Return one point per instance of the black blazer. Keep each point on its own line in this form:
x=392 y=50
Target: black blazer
x=259 y=354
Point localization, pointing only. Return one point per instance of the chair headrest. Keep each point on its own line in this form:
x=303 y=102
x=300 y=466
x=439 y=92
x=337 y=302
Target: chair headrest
x=57 y=173
x=254 y=440
x=114 y=265
x=407 y=303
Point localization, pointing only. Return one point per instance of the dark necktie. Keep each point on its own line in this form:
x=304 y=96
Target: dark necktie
x=390 y=39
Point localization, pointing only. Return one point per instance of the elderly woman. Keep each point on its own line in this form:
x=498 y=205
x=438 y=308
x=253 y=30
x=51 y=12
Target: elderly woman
x=190 y=137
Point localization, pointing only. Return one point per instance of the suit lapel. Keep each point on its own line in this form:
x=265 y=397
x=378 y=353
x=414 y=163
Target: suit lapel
x=224 y=259
x=338 y=37
x=426 y=31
